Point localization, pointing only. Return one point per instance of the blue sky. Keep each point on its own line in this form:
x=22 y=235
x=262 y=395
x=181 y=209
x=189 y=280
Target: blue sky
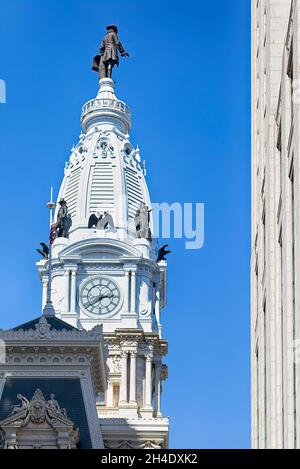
x=188 y=83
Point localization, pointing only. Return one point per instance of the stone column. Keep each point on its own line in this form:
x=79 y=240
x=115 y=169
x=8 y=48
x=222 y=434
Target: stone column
x=157 y=309
x=45 y=284
x=148 y=382
x=133 y=292
x=157 y=388
x=123 y=388
x=127 y=291
x=73 y=291
x=109 y=400
x=132 y=397
x=66 y=290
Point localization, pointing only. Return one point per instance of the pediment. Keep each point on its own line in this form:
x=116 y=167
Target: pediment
x=38 y=424
x=99 y=249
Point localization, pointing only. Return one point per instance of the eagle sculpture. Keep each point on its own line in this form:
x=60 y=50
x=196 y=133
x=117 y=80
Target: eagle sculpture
x=162 y=253
x=44 y=252
x=102 y=222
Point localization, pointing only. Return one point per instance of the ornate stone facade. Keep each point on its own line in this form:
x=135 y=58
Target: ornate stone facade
x=111 y=276
x=53 y=356
x=38 y=424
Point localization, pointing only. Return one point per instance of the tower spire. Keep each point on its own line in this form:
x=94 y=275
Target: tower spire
x=106 y=270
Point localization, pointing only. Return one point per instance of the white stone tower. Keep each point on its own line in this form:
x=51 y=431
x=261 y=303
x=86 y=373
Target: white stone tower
x=110 y=276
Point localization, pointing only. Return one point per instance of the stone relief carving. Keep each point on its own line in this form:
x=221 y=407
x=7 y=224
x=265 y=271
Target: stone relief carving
x=59 y=304
x=103 y=148
x=43 y=331
x=38 y=423
x=143 y=297
x=126 y=444
x=37 y=408
x=89 y=269
x=19 y=407
x=114 y=363
x=42 y=328
x=117 y=364
x=53 y=404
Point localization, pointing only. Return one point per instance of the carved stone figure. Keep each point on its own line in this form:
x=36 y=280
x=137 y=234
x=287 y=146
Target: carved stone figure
x=23 y=405
x=38 y=424
x=63 y=220
x=117 y=363
x=108 y=54
x=42 y=328
x=37 y=407
x=142 y=222
x=54 y=405
x=143 y=298
x=107 y=149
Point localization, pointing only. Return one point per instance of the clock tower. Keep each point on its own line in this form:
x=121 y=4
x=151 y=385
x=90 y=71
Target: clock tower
x=106 y=271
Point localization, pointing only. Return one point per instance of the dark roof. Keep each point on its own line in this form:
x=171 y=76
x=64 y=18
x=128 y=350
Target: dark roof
x=67 y=392
x=54 y=322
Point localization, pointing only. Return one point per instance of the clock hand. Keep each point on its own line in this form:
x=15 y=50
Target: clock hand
x=93 y=302
x=101 y=297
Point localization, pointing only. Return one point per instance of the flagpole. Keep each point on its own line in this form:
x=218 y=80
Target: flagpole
x=48 y=308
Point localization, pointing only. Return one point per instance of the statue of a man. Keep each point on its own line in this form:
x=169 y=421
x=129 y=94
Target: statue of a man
x=63 y=220
x=24 y=404
x=52 y=404
x=142 y=222
x=108 y=54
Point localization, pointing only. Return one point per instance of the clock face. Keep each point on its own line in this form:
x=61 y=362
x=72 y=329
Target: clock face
x=100 y=296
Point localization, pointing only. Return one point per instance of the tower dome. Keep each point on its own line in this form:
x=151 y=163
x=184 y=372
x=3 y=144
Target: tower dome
x=104 y=172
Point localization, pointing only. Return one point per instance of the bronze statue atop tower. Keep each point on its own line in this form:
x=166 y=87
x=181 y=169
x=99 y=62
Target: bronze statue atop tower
x=108 y=56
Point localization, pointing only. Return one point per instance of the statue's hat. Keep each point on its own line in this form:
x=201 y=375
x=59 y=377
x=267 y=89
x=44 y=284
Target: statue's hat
x=112 y=26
